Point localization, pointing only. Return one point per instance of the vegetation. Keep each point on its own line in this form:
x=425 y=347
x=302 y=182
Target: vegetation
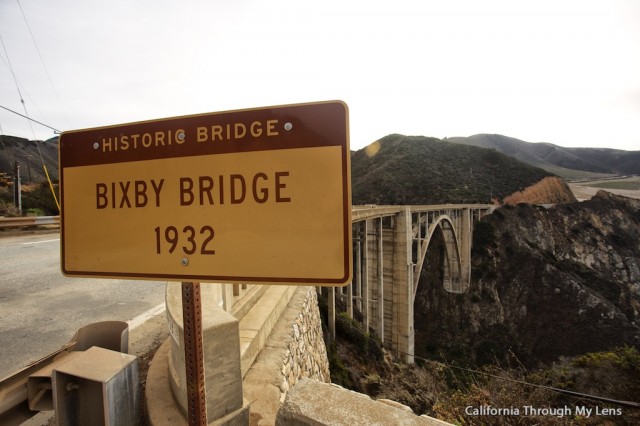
x=7 y=207
x=575 y=175
x=418 y=170
x=40 y=200
x=29 y=157
x=566 y=162
x=501 y=344
x=37 y=200
x=619 y=184
x=358 y=362
x=444 y=390
x=514 y=386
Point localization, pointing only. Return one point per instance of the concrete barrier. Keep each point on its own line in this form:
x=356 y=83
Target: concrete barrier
x=316 y=404
x=221 y=353
x=277 y=341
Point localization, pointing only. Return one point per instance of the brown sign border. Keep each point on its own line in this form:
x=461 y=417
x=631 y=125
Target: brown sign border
x=318 y=124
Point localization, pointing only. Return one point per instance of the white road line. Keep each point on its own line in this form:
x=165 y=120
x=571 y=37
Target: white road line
x=39 y=242
x=140 y=319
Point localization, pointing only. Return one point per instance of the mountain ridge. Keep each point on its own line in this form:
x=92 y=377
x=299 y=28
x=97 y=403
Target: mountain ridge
x=399 y=169
x=558 y=159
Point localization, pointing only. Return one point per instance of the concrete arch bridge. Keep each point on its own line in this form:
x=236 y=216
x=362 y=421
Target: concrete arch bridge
x=390 y=244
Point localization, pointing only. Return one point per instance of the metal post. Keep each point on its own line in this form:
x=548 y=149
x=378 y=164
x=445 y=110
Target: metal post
x=194 y=362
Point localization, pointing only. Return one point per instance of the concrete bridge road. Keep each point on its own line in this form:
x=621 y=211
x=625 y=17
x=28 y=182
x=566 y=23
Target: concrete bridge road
x=40 y=309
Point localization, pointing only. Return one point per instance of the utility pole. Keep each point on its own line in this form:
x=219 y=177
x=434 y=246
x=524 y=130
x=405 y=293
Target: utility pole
x=17 y=193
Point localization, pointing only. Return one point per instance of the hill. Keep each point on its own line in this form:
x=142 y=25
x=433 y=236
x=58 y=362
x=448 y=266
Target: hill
x=396 y=169
x=401 y=169
x=545 y=283
x=25 y=152
x=559 y=160
x=553 y=301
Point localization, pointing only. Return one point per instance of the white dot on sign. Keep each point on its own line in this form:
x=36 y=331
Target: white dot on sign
x=185 y=261
x=288 y=126
x=96 y=145
x=181 y=136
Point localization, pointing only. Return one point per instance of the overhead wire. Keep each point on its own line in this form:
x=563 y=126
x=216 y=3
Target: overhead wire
x=24 y=90
x=15 y=80
x=29 y=120
x=44 y=65
x=522 y=382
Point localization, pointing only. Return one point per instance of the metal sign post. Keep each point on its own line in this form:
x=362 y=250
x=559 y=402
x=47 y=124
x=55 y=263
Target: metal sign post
x=194 y=363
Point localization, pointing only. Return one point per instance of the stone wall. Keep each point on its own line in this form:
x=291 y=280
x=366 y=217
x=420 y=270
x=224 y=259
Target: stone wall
x=294 y=350
x=306 y=353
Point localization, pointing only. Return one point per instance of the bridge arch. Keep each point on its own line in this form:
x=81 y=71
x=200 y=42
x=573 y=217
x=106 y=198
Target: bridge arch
x=453 y=277
x=390 y=244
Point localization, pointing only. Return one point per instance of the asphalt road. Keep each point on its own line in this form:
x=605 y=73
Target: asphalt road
x=40 y=309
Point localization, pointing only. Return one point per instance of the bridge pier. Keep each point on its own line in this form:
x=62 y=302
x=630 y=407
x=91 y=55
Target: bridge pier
x=378 y=287
x=390 y=245
x=402 y=334
x=464 y=235
x=365 y=293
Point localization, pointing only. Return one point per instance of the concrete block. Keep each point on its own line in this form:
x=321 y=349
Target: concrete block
x=312 y=403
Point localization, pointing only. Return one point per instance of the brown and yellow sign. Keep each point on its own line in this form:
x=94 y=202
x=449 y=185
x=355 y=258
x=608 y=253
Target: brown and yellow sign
x=260 y=195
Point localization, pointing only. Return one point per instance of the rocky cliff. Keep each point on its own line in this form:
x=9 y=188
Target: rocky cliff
x=546 y=283
x=549 y=190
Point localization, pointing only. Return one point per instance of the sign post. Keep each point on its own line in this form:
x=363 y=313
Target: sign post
x=250 y=196
x=194 y=363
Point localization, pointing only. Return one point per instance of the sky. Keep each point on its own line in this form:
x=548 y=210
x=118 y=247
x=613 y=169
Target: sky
x=559 y=71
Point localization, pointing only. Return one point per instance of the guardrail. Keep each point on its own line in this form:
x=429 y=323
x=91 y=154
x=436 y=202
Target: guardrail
x=30 y=389
x=17 y=222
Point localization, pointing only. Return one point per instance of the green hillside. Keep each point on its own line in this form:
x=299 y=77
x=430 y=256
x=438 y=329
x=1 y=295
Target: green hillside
x=577 y=163
x=25 y=152
x=401 y=169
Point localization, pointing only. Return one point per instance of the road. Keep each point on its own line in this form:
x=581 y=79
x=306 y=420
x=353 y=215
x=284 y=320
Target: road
x=40 y=309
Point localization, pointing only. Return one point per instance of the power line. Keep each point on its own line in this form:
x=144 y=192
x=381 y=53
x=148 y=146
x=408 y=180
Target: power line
x=24 y=90
x=522 y=382
x=31 y=119
x=24 y=106
x=26 y=115
x=46 y=70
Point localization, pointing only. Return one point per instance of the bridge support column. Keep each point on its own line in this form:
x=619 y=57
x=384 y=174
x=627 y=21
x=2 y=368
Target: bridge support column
x=464 y=234
x=365 y=277
x=357 y=272
x=403 y=335
x=380 y=292
x=331 y=312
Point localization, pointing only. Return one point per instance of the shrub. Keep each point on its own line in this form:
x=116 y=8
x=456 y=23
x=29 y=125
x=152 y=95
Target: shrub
x=42 y=199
